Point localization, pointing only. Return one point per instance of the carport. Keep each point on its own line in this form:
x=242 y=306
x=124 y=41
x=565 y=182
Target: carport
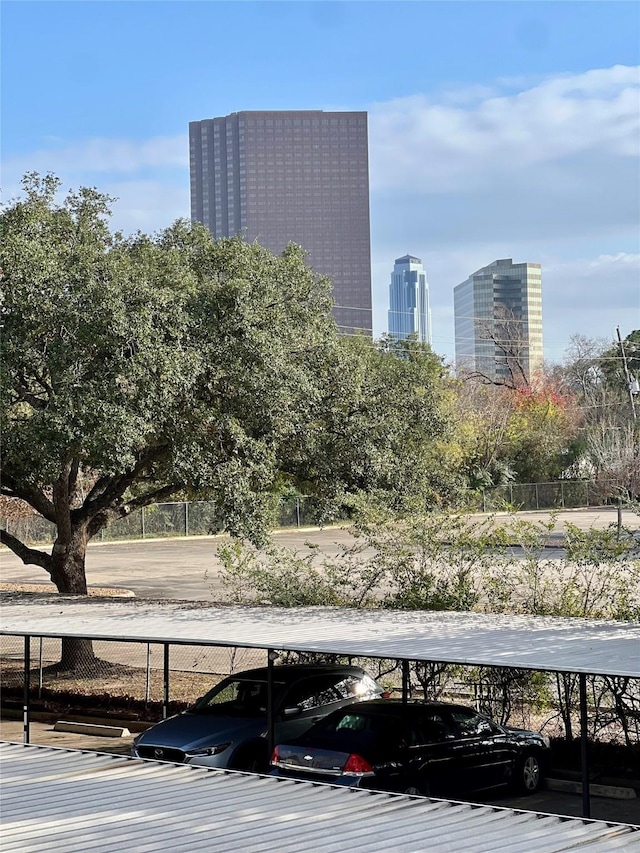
x=68 y=801
x=576 y=646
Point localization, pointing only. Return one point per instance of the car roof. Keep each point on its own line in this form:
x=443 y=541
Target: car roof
x=396 y=707
x=286 y=673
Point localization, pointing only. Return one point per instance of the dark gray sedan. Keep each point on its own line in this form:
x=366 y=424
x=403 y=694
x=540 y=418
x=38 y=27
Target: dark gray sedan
x=228 y=726
x=415 y=748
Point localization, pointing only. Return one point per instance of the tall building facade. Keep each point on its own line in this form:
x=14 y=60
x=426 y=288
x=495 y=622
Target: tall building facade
x=409 y=312
x=498 y=321
x=302 y=177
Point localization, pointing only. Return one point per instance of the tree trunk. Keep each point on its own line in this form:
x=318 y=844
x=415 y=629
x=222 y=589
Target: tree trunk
x=68 y=574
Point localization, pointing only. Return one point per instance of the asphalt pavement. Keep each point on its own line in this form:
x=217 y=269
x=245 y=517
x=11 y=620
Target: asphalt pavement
x=188 y=568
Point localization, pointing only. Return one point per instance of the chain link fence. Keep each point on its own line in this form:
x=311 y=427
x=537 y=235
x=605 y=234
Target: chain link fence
x=563 y=494
x=200 y=518
x=186 y=518
x=123 y=673
x=128 y=680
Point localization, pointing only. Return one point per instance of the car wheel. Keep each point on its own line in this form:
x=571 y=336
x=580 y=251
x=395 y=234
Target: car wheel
x=251 y=761
x=529 y=778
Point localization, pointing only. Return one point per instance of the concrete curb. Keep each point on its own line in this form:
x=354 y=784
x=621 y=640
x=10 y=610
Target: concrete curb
x=91 y=729
x=612 y=792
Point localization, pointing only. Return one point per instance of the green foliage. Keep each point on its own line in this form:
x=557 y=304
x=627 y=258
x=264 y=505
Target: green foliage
x=450 y=562
x=500 y=692
x=274 y=576
x=598 y=578
x=389 y=429
x=613 y=365
x=134 y=369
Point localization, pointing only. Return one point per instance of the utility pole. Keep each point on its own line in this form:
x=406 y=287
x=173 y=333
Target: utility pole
x=632 y=388
x=631 y=385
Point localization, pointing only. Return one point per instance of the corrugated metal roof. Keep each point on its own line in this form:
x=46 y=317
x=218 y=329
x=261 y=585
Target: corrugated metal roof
x=527 y=642
x=71 y=802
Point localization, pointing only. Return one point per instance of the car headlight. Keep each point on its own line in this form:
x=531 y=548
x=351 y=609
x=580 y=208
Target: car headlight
x=209 y=750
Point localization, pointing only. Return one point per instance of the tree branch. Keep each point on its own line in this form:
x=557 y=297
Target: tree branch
x=61 y=503
x=29 y=556
x=115 y=487
x=156 y=496
x=29 y=494
x=98 y=488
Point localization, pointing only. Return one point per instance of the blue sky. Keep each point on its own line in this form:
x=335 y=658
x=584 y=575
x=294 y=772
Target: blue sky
x=497 y=129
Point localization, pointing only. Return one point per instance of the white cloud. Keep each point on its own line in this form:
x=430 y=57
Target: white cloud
x=103 y=155
x=436 y=145
x=542 y=170
x=149 y=178
x=147 y=205
x=538 y=170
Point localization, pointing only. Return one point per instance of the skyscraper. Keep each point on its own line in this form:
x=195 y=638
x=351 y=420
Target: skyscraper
x=409 y=312
x=302 y=177
x=498 y=321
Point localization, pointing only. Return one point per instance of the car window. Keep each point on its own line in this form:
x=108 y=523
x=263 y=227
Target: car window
x=360 y=728
x=361 y=686
x=235 y=696
x=426 y=731
x=312 y=693
x=469 y=723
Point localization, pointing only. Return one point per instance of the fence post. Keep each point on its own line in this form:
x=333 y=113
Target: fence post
x=142 y=522
x=186 y=518
x=165 y=686
x=537 y=500
x=148 y=676
x=584 y=747
x=40 y=671
x=298 y=512
x=562 y=494
x=27 y=686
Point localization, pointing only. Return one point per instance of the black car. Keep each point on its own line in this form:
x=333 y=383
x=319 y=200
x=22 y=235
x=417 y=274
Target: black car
x=228 y=726
x=416 y=748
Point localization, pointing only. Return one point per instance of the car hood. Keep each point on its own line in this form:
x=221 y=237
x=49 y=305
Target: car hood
x=525 y=735
x=195 y=731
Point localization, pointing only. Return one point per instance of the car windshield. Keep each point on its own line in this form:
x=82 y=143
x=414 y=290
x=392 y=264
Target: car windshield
x=353 y=722
x=236 y=697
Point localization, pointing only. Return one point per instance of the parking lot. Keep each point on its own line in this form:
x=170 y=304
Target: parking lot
x=187 y=569
x=616 y=809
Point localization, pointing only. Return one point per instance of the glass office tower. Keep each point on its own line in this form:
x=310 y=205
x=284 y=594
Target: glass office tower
x=498 y=320
x=409 y=312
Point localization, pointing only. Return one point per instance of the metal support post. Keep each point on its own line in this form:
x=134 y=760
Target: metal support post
x=271 y=723
x=27 y=686
x=406 y=682
x=165 y=686
x=584 y=748
x=40 y=671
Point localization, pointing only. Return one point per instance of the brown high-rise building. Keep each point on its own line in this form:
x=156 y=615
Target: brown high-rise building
x=302 y=177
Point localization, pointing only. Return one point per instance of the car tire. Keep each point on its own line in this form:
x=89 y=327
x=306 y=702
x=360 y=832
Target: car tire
x=529 y=774
x=250 y=760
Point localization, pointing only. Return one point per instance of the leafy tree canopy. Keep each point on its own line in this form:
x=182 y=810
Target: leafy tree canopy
x=138 y=368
